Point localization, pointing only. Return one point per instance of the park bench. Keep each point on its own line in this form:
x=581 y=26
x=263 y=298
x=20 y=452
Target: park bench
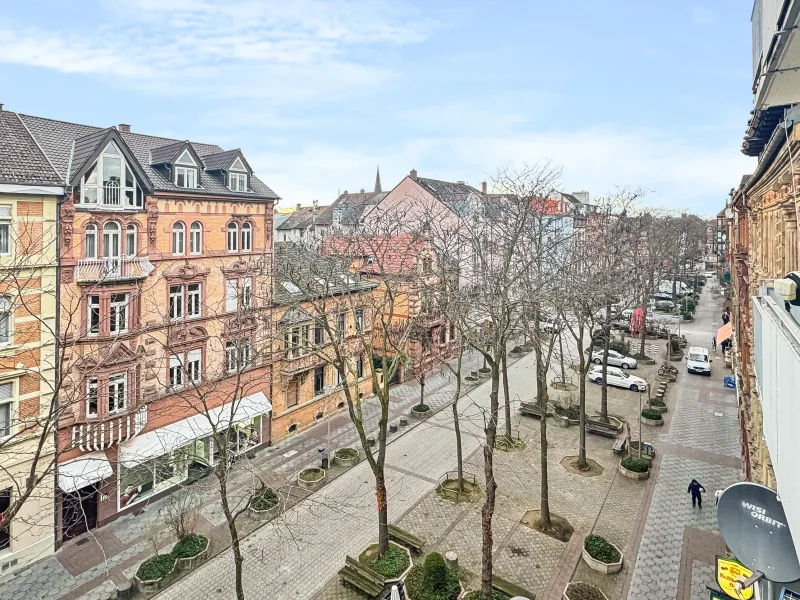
x=362 y=578
x=409 y=540
x=509 y=589
x=530 y=409
x=619 y=446
x=600 y=428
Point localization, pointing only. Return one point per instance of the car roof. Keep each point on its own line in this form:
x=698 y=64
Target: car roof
x=698 y=350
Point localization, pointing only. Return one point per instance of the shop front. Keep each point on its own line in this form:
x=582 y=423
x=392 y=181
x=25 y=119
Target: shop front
x=186 y=450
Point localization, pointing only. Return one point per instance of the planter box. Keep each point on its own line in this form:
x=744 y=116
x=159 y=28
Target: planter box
x=646 y=361
x=266 y=514
x=653 y=422
x=417 y=414
x=631 y=474
x=482 y=375
x=153 y=585
x=402 y=576
x=667 y=378
x=189 y=563
x=566 y=595
x=601 y=567
x=310 y=485
x=661 y=409
x=346 y=462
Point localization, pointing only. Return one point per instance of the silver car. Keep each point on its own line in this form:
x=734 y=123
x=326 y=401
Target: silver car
x=615 y=359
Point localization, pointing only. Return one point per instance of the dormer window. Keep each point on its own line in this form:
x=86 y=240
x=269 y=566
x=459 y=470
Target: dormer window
x=186 y=171
x=110 y=182
x=237 y=182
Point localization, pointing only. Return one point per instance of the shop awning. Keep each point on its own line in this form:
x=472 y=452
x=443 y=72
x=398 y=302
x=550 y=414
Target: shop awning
x=166 y=439
x=82 y=471
x=724 y=332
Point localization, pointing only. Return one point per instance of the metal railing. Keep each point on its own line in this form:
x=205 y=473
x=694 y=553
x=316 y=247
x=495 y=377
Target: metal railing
x=110 y=268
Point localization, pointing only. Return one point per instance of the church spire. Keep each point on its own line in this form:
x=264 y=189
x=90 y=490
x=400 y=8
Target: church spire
x=378 y=181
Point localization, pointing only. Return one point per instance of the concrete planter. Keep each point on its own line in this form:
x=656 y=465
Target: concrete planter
x=346 y=461
x=191 y=562
x=632 y=474
x=266 y=514
x=601 y=567
x=402 y=576
x=661 y=409
x=566 y=595
x=310 y=485
x=420 y=414
x=668 y=378
x=484 y=374
x=151 y=586
x=646 y=361
x=653 y=422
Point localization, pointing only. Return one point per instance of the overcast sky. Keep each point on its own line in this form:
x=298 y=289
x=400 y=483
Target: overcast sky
x=318 y=93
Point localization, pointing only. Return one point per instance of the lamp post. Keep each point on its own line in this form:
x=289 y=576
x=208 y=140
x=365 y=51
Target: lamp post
x=640 y=423
x=328 y=389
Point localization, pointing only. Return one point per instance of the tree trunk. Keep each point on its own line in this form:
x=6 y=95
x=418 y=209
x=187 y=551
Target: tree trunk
x=606 y=343
x=457 y=423
x=508 y=400
x=238 y=559
x=582 y=464
x=643 y=333
x=383 y=512
x=487 y=512
x=542 y=397
x=422 y=389
x=561 y=357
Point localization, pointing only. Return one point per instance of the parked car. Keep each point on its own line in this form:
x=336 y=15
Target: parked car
x=617 y=377
x=549 y=325
x=627 y=313
x=615 y=358
x=623 y=324
x=698 y=361
x=665 y=305
x=658 y=296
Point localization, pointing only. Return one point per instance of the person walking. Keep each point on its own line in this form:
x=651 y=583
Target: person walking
x=725 y=318
x=714 y=343
x=694 y=490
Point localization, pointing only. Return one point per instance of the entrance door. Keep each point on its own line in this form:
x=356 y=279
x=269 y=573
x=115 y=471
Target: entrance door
x=79 y=512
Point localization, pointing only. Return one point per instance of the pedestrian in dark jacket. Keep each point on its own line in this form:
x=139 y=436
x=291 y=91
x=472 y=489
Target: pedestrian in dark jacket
x=714 y=343
x=725 y=318
x=694 y=490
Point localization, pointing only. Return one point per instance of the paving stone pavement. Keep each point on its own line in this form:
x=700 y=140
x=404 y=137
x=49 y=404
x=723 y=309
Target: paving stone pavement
x=702 y=574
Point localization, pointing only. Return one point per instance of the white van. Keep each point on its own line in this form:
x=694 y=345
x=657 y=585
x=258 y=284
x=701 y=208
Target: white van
x=698 y=361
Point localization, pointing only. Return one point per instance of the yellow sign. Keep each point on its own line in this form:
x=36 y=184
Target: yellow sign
x=729 y=571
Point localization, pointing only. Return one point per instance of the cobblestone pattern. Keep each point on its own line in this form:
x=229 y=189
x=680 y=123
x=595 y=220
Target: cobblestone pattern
x=702 y=575
x=432 y=517
x=467 y=536
x=529 y=559
x=656 y=572
x=690 y=422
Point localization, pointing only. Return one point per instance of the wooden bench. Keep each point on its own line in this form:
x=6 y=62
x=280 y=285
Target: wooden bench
x=509 y=589
x=362 y=578
x=530 y=409
x=600 y=428
x=619 y=446
x=409 y=540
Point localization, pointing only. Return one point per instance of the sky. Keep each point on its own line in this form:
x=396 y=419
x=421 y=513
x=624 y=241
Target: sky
x=318 y=93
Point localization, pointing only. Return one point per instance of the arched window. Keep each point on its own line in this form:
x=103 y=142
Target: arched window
x=178 y=238
x=247 y=237
x=5 y=319
x=111 y=245
x=233 y=237
x=196 y=238
x=130 y=240
x=90 y=239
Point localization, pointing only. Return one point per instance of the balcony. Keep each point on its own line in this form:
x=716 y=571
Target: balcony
x=98 y=436
x=94 y=270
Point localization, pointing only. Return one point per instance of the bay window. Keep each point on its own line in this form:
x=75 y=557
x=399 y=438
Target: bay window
x=110 y=182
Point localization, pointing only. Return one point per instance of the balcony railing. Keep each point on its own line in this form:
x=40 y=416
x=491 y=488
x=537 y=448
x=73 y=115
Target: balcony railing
x=98 y=436
x=109 y=269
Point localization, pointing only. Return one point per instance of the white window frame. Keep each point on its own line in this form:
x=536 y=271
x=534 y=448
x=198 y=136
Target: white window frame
x=121 y=191
x=131 y=240
x=178 y=238
x=360 y=319
x=177 y=298
x=196 y=238
x=91 y=386
x=231 y=295
x=247 y=237
x=247 y=292
x=237 y=182
x=230 y=357
x=7 y=400
x=5 y=320
x=90 y=304
x=189 y=177
x=176 y=371
x=233 y=237
x=119 y=307
x=115 y=383
x=194 y=366
x=194 y=300
x=5 y=224
x=90 y=232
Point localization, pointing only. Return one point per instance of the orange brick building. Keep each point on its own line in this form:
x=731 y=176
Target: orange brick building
x=165 y=249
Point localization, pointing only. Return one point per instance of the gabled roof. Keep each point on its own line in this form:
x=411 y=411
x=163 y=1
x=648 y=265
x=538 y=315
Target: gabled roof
x=295 y=314
x=167 y=153
x=87 y=148
x=56 y=139
x=222 y=161
x=21 y=160
x=389 y=254
x=312 y=274
x=306 y=216
x=453 y=195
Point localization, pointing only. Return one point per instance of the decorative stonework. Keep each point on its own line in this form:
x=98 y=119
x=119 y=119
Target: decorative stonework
x=186 y=271
x=67 y=218
x=152 y=222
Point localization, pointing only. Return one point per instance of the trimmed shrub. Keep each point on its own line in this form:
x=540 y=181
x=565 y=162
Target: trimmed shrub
x=189 y=546
x=570 y=411
x=312 y=475
x=392 y=562
x=264 y=499
x=517 y=350
x=599 y=549
x=434 y=574
x=657 y=402
x=415 y=584
x=420 y=408
x=485 y=370
x=346 y=453
x=649 y=413
x=156 y=567
x=636 y=465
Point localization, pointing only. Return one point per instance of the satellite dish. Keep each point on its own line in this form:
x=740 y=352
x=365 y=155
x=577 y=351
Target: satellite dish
x=753 y=523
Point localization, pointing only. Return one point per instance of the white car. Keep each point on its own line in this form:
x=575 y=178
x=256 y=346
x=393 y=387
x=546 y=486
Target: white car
x=618 y=377
x=698 y=361
x=549 y=326
x=614 y=359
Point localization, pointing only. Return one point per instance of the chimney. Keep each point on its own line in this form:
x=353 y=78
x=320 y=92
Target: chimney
x=413 y=174
x=1 y=108
x=483 y=186
x=298 y=207
x=124 y=128
x=362 y=191
x=460 y=182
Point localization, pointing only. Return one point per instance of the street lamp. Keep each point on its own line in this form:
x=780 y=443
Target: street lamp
x=328 y=390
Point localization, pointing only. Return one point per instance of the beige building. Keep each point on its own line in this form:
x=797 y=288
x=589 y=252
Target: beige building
x=30 y=190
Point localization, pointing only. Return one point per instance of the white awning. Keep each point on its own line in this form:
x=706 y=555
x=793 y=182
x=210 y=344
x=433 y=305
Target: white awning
x=82 y=471
x=166 y=439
